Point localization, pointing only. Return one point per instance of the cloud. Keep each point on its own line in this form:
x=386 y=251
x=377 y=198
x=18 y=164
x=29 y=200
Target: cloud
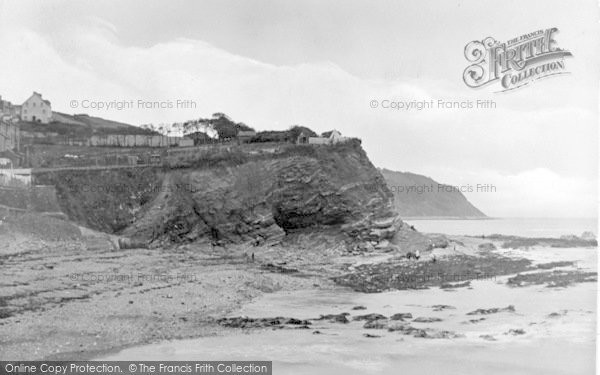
x=513 y=146
x=533 y=193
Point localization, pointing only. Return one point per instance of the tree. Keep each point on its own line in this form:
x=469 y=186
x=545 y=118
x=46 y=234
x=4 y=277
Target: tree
x=295 y=131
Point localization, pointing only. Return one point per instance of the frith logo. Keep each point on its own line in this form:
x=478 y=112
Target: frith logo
x=515 y=63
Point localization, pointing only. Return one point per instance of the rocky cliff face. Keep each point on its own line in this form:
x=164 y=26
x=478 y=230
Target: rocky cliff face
x=257 y=197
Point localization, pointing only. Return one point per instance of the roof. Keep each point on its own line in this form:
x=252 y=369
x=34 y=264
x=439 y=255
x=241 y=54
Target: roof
x=246 y=133
x=40 y=95
x=329 y=133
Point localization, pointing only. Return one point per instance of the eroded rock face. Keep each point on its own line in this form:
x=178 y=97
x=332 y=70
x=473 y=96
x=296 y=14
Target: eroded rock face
x=243 y=195
x=262 y=200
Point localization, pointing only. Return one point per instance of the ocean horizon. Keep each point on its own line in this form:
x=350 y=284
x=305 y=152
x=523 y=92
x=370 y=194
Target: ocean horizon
x=516 y=226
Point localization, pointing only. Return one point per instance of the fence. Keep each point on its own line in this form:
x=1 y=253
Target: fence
x=111 y=140
x=118 y=140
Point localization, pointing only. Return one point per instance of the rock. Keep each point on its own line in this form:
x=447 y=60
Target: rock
x=375 y=324
x=399 y=273
x=397 y=326
x=422 y=319
x=407 y=329
x=419 y=333
x=550 y=265
x=488 y=246
x=383 y=244
x=370 y=335
x=335 y=318
x=359 y=308
x=294 y=321
x=488 y=337
x=277 y=322
x=128 y=243
x=236 y=196
x=370 y=317
x=515 y=332
x=401 y=316
x=493 y=310
x=277 y=269
x=473 y=321
x=552 y=279
x=557 y=314
x=442 y=335
x=438 y=242
x=455 y=285
x=442 y=307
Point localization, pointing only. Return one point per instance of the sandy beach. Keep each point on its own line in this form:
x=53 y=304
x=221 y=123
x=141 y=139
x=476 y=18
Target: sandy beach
x=550 y=331
x=175 y=304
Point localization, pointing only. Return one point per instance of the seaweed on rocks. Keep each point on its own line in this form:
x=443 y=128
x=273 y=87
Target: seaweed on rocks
x=401 y=274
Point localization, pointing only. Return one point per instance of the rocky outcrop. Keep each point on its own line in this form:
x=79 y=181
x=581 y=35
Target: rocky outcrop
x=248 y=197
x=493 y=310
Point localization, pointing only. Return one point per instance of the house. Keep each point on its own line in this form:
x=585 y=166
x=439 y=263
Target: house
x=302 y=138
x=328 y=138
x=36 y=109
x=244 y=136
x=8 y=111
x=336 y=137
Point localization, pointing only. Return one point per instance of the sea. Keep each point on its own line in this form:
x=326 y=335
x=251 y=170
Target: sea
x=523 y=227
x=551 y=331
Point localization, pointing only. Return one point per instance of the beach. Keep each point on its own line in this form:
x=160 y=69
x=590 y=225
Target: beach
x=303 y=310
x=551 y=331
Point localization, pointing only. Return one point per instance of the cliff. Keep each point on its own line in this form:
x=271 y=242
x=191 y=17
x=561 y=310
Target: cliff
x=236 y=195
x=416 y=195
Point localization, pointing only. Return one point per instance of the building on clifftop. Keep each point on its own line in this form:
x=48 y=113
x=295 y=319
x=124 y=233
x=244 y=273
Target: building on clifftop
x=36 y=109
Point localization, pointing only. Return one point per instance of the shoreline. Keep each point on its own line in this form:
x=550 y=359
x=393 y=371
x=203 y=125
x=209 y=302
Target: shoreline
x=94 y=319
x=415 y=218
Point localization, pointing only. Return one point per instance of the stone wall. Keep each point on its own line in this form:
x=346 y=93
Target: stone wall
x=9 y=136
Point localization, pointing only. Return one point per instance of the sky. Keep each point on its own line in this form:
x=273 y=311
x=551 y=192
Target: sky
x=272 y=64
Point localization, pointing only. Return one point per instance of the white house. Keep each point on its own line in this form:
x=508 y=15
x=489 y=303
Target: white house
x=36 y=109
x=328 y=138
x=336 y=137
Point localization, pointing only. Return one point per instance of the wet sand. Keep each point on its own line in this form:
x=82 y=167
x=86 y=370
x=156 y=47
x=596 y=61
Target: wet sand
x=557 y=325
